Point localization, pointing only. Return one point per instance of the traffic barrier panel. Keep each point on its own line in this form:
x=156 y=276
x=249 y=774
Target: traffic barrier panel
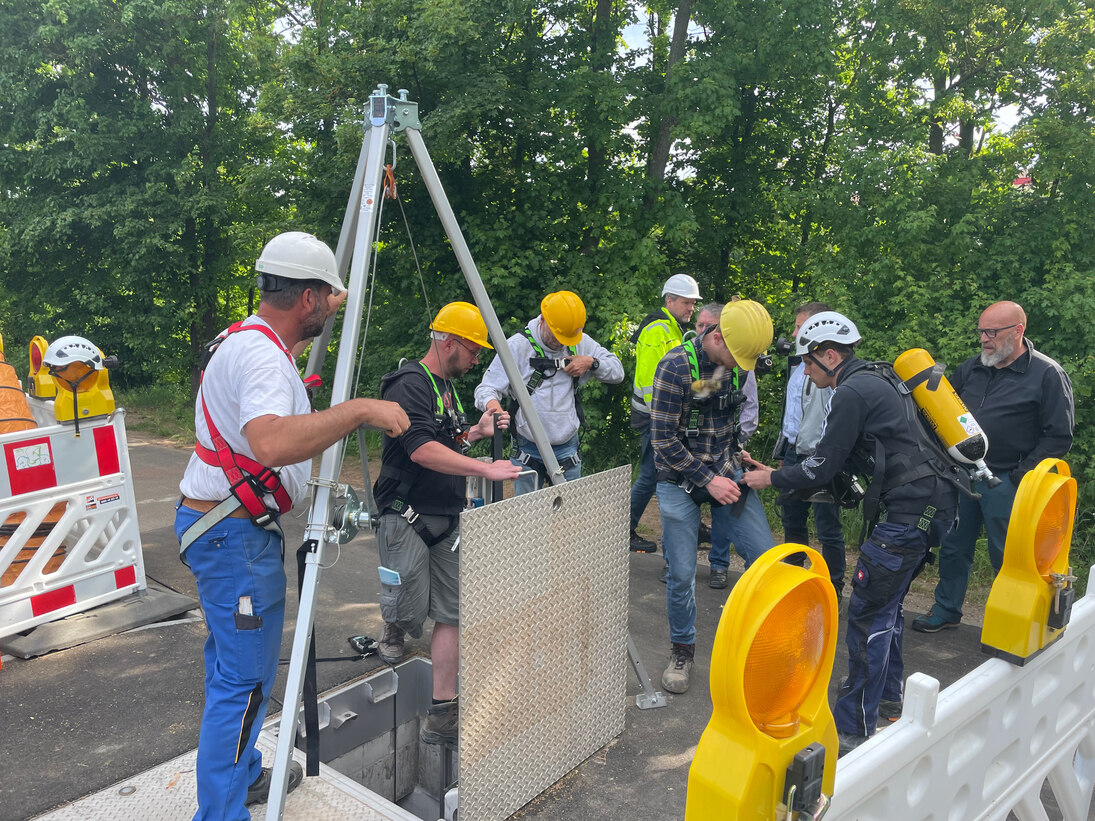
x=984 y=747
x=68 y=522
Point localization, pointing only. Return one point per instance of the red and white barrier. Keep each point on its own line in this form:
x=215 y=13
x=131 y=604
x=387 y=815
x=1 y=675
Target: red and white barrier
x=92 y=553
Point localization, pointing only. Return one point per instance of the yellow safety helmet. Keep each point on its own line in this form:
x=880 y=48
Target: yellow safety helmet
x=747 y=331
x=565 y=314
x=462 y=319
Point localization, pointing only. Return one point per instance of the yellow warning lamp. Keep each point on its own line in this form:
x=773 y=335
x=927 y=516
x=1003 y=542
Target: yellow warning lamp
x=1031 y=600
x=42 y=385
x=771 y=744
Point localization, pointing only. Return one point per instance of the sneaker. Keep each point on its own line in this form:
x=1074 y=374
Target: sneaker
x=848 y=742
x=390 y=646
x=676 y=677
x=442 y=724
x=717 y=580
x=889 y=711
x=704 y=535
x=259 y=791
x=641 y=545
x=932 y=622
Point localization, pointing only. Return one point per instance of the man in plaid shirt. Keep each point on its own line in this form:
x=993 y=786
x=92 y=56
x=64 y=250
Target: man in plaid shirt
x=694 y=415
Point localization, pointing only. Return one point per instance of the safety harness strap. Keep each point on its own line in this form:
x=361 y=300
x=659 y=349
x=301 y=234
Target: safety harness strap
x=249 y=480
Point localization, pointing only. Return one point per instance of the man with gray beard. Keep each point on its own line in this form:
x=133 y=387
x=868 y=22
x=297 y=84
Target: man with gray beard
x=1023 y=401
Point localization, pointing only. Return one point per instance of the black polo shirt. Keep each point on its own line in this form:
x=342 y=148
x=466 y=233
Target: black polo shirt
x=1026 y=409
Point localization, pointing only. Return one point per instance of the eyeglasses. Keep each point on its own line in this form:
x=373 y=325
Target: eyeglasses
x=473 y=351
x=992 y=332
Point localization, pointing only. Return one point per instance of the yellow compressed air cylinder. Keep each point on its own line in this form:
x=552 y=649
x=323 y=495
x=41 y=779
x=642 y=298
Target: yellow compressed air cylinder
x=955 y=427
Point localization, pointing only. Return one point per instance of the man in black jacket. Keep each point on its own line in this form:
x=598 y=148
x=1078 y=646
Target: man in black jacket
x=870 y=429
x=1023 y=402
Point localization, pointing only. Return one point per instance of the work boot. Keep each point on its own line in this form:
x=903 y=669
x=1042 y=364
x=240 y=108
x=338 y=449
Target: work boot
x=889 y=711
x=704 y=536
x=717 y=580
x=677 y=674
x=848 y=742
x=932 y=622
x=442 y=724
x=259 y=791
x=390 y=646
x=641 y=545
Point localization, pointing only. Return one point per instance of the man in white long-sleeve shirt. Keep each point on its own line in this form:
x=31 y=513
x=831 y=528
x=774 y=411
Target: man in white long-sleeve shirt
x=555 y=358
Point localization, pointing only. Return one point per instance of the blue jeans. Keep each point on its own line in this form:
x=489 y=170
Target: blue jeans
x=234 y=560
x=526 y=484
x=993 y=510
x=680 y=515
x=645 y=482
x=795 y=512
x=888 y=562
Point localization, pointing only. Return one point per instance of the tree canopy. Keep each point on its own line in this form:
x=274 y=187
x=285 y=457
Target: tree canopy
x=906 y=161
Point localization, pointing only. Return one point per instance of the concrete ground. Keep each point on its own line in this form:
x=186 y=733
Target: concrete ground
x=78 y=720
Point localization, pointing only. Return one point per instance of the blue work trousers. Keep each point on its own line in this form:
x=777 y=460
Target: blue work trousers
x=993 y=510
x=795 y=512
x=680 y=516
x=888 y=562
x=527 y=484
x=238 y=567
x=645 y=482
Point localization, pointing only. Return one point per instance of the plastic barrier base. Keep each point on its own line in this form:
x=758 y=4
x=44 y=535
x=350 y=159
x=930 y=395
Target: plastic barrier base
x=136 y=610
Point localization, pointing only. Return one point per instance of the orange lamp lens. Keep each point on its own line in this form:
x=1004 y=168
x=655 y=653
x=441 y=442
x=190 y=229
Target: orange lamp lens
x=1049 y=536
x=785 y=658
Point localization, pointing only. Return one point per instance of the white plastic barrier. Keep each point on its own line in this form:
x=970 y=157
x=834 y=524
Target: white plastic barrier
x=984 y=746
x=90 y=476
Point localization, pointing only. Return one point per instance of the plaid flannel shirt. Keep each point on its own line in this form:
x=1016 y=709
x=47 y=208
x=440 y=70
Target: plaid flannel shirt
x=708 y=454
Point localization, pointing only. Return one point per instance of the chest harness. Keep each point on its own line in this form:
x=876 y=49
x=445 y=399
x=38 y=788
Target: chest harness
x=249 y=481
x=725 y=394
x=450 y=422
x=543 y=368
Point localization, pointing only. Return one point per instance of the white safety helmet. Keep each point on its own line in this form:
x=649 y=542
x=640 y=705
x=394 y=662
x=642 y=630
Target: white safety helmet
x=297 y=255
x=66 y=350
x=827 y=326
x=681 y=285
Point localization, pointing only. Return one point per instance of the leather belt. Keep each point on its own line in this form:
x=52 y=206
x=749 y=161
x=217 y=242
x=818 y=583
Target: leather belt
x=204 y=506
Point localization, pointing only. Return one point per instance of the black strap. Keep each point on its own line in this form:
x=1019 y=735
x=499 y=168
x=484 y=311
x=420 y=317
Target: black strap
x=403 y=510
x=537 y=378
x=310 y=695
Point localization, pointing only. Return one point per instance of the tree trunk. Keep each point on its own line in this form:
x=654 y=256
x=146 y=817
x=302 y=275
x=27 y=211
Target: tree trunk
x=659 y=155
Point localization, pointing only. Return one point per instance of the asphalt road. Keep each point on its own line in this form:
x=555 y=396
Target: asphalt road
x=78 y=720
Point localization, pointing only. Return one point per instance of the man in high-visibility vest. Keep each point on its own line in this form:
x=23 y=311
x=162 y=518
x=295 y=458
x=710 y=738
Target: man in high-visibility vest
x=657 y=334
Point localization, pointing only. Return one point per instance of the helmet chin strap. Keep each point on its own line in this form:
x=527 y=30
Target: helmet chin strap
x=828 y=371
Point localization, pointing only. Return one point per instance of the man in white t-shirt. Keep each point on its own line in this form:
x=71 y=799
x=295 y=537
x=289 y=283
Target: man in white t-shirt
x=256 y=436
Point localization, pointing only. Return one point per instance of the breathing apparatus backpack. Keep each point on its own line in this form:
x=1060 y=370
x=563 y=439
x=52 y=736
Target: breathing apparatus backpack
x=928 y=459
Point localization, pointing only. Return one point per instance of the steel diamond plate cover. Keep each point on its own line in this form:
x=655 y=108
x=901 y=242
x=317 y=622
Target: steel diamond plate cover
x=543 y=656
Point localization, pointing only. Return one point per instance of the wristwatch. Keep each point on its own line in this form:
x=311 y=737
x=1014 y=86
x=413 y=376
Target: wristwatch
x=596 y=364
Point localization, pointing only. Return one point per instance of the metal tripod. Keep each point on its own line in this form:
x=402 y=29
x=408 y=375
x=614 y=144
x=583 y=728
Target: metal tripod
x=359 y=229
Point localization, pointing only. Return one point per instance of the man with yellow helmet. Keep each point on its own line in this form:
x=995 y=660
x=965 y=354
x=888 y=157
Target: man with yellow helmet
x=420 y=493
x=694 y=413
x=555 y=358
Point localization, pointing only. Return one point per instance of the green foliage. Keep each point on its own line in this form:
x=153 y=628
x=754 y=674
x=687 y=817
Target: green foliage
x=828 y=149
